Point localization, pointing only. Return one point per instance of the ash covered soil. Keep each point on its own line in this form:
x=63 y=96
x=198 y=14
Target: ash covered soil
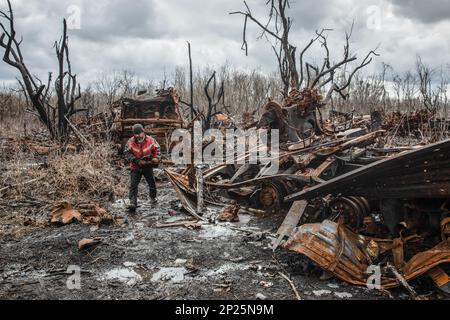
x=138 y=260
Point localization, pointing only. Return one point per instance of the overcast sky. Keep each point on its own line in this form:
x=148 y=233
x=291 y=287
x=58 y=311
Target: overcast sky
x=149 y=35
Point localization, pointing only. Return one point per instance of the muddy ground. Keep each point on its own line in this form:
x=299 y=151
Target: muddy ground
x=137 y=260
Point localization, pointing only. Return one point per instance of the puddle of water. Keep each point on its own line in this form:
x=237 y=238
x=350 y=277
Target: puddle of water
x=125 y=275
x=174 y=275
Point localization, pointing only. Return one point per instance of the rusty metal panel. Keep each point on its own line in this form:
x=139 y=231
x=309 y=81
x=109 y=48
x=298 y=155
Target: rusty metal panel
x=422 y=173
x=347 y=255
x=291 y=221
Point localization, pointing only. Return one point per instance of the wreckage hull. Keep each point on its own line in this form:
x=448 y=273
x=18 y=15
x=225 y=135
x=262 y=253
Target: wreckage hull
x=351 y=257
x=422 y=173
x=159 y=115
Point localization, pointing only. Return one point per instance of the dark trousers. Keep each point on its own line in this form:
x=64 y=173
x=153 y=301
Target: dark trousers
x=135 y=179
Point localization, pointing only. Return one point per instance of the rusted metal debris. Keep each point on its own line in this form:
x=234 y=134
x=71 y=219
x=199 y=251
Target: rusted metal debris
x=351 y=202
x=347 y=255
x=159 y=115
x=420 y=173
x=230 y=213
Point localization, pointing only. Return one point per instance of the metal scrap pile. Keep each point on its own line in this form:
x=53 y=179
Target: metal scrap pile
x=159 y=115
x=352 y=203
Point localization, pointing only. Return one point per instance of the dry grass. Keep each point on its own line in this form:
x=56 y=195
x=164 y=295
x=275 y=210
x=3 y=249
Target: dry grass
x=30 y=184
x=77 y=177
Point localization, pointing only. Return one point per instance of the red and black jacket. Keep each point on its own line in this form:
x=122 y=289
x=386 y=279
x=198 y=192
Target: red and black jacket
x=148 y=149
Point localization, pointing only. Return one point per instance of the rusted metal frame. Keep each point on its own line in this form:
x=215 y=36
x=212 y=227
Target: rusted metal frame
x=199 y=186
x=299 y=178
x=356 y=142
x=323 y=167
x=339 y=182
x=186 y=202
x=440 y=190
x=440 y=278
x=292 y=219
x=423 y=167
x=317 y=242
x=239 y=172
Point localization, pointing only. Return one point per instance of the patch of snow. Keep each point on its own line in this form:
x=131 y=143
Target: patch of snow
x=215 y=231
x=244 y=218
x=175 y=219
x=333 y=286
x=128 y=238
x=119 y=204
x=129 y=264
x=226 y=268
x=319 y=293
x=343 y=295
x=125 y=275
x=175 y=275
x=139 y=225
x=180 y=262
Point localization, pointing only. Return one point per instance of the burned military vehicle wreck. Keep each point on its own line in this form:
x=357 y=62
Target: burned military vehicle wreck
x=352 y=203
x=159 y=115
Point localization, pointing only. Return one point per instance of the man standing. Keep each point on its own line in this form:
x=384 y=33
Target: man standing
x=141 y=151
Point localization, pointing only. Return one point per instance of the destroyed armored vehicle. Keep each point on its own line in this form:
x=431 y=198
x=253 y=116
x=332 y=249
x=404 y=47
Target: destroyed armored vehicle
x=159 y=115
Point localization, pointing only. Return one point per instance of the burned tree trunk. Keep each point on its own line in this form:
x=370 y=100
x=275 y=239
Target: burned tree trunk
x=191 y=84
x=285 y=52
x=37 y=93
x=67 y=92
x=213 y=100
x=305 y=75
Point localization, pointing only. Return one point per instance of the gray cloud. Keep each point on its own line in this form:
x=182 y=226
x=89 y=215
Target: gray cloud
x=429 y=11
x=149 y=36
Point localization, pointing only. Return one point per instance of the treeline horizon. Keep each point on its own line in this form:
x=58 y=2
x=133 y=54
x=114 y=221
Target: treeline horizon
x=422 y=87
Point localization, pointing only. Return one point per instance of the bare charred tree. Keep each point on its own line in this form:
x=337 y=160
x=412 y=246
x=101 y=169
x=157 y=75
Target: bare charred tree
x=191 y=83
x=430 y=97
x=66 y=87
x=38 y=94
x=214 y=98
x=305 y=75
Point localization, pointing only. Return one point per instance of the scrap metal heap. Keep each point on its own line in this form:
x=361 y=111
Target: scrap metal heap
x=159 y=115
x=352 y=204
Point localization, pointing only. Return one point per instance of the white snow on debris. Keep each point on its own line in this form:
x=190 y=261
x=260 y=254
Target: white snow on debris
x=226 y=268
x=319 y=293
x=215 y=231
x=244 y=218
x=175 y=275
x=333 y=286
x=125 y=275
x=343 y=295
x=128 y=238
x=120 y=204
x=180 y=262
x=129 y=264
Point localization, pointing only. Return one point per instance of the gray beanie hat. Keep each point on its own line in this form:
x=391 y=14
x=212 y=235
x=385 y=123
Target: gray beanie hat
x=138 y=128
